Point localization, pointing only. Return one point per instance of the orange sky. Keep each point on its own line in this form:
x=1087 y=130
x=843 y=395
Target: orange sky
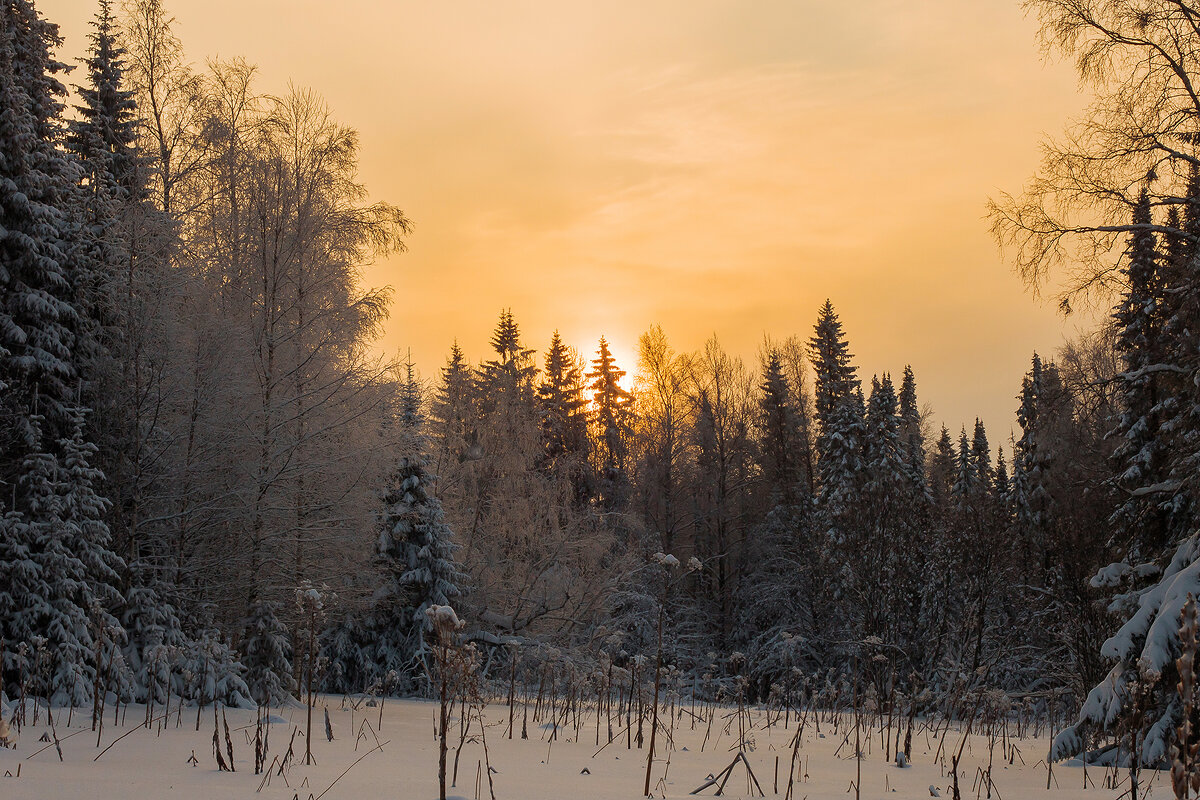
x=709 y=166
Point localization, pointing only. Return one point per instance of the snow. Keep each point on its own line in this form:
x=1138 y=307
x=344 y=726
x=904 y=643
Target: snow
x=444 y=617
x=1110 y=575
x=153 y=763
x=1157 y=619
x=667 y=560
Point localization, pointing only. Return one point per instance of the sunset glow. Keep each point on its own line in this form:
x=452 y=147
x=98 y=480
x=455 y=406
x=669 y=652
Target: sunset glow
x=717 y=167
x=730 y=384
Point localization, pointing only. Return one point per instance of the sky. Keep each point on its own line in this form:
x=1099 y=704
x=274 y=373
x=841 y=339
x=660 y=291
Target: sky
x=711 y=166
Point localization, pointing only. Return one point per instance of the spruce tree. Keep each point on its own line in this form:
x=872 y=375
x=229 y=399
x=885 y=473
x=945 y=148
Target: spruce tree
x=410 y=397
x=1140 y=457
x=46 y=596
x=941 y=470
x=981 y=460
x=885 y=495
x=154 y=634
x=778 y=434
x=103 y=139
x=564 y=415
x=37 y=188
x=454 y=406
x=415 y=554
x=1154 y=467
x=58 y=574
x=88 y=536
x=612 y=417
x=838 y=413
x=1033 y=505
x=839 y=447
x=266 y=652
x=911 y=437
x=966 y=482
x=104 y=134
x=509 y=377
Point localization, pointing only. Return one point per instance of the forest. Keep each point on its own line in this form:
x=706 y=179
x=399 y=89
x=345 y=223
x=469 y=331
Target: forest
x=214 y=488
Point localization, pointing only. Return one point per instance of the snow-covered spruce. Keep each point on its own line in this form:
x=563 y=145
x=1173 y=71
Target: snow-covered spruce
x=415 y=556
x=266 y=650
x=1145 y=649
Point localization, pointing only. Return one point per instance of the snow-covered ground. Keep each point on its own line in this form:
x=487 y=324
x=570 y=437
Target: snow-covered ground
x=155 y=763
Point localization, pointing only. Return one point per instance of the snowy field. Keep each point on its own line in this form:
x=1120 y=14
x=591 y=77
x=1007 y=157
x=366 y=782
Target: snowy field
x=155 y=763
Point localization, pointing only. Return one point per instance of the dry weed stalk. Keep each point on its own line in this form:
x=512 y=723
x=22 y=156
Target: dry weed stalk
x=1185 y=771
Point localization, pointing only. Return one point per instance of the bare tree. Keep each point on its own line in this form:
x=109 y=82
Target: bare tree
x=660 y=433
x=1141 y=60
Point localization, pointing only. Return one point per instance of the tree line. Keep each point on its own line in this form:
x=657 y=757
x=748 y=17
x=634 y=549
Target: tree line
x=214 y=489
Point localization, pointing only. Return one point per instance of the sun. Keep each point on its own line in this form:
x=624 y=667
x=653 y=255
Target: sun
x=621 y=349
